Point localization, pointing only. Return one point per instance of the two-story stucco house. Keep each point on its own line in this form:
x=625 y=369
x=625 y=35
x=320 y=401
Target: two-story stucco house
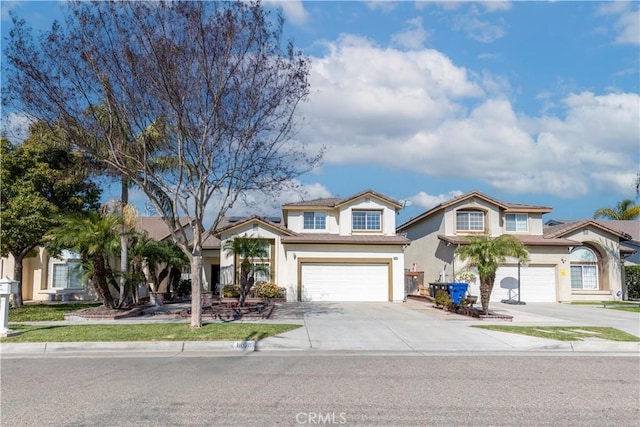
x=576 y=262
x=333 y=249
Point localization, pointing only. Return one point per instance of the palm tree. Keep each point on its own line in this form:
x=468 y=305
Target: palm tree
x=158 y=260
x=624 y=210
x=486 y=254
x=96 y=238
x=252 y=253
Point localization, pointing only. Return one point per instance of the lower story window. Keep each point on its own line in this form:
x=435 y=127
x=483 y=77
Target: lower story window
x=584 y=277
x=66 y=275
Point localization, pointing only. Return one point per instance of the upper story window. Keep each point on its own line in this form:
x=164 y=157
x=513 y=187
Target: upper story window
x=315 y=221
x=469 y=221
x=516 y=222
x=366 y=221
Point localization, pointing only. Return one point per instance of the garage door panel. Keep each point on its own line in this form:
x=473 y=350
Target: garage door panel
x=344 y=282
x=537 y=283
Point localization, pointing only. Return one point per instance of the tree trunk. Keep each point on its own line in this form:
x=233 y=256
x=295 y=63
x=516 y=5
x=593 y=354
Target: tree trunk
x=17 y=276
x=124 y=240
x=486 y=286
x=196 y=289
x=100 y=281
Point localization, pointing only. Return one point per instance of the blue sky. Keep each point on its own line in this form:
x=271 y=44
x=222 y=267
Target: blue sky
x=529 y=102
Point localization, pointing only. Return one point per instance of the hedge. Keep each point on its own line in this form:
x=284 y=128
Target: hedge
x=632 y=274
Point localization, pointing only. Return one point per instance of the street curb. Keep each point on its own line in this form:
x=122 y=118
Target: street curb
x=251 y=346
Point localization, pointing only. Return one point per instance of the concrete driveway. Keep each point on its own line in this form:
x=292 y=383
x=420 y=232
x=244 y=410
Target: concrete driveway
x=416 y=326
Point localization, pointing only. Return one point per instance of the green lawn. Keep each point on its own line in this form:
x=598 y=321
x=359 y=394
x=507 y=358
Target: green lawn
x=147 y=332
x=563 y=333
x=45 y=312
x=625 y=308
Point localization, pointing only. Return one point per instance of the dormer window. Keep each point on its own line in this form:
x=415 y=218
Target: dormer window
x=516 y=222
x=366 y=220
x=470 y=221
x=315 y=221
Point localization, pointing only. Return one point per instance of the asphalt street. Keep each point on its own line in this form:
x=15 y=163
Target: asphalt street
x=293 y=389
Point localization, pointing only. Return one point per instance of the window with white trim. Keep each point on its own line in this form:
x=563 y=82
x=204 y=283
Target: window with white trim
x=315 y=220
x=66 y=271
x=469 y=221
x=366 y=220
x=517 y=222
x=584 y=269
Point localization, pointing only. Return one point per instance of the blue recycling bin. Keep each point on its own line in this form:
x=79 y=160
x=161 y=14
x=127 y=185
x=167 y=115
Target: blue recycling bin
x=457 y=291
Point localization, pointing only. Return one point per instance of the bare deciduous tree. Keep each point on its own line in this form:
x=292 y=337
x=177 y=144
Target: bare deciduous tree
x=217 y=75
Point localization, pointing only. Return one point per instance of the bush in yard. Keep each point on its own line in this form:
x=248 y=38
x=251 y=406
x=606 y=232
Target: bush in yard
x=442 y=299
x=231 y=291
x=269 y=290
x=632 y=274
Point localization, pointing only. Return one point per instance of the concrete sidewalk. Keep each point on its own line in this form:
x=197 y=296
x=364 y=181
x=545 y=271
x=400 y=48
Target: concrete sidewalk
x=411 y=327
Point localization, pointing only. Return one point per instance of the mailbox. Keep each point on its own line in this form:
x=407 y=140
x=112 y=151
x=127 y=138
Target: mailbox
x=8 y=286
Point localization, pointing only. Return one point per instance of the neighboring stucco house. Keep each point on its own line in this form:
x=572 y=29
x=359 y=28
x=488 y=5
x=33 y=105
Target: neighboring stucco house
x=580 y=261
x=330 y=249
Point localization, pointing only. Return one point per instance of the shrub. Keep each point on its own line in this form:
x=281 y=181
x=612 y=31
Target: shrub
x=632 y=274
x=442 y=299
x=184 y=287
x=231 y=291
x=269 y=290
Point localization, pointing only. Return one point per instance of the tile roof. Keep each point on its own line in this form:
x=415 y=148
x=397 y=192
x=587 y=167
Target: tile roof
x=528 y=240
x=563 y=228
x=277 y=225
x=332 y=202
x=155 y=226
x=369 y=239
x=508 y=207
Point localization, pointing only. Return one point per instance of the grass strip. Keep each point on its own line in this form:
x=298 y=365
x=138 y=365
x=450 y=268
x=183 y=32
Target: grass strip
x=146 y=332
x=563 y=333
x=45 y=312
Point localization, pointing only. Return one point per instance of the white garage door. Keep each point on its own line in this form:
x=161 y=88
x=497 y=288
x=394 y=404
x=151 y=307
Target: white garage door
x=537 y=283
x=344 y=282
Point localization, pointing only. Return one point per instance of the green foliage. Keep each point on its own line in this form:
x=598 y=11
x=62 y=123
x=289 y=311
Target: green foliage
x=442 y=299
x=624 y=210
x=184 y=287
x=565 y=333
x=486 y=254
x=252 y=253
x=231 y=291
x=269 y=290
x=149 y=332
x=632 y=274
x=96 y=238
x=45 y=312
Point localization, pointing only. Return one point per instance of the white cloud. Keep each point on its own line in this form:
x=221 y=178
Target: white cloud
x=479 y=30
x=428 y=201
x=627 y=20
x=293 y=10
x=385 y=6
x=496 y=5
x=414 y=35
x=15 y=126
x=419 y=112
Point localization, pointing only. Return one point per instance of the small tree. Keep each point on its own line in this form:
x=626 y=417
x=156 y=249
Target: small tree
x=624 y=210
x=252 y=254
x=39 y=182
x=486 y=254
